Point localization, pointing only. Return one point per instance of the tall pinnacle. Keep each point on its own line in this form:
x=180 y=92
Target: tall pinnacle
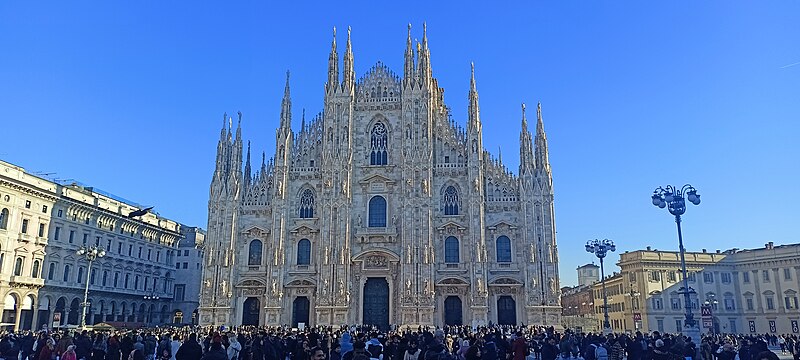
x=247 y=174
x=408 y=68
x=474 y=122
x=425 y=55
x=542 y=156
x=526 y=159
x=286 y=107
x=348 y=80
x=333 y=64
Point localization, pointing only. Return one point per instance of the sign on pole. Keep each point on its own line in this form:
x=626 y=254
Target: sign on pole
x=705 y=311
x=637 y=316
x=56 y=320
x=772 y=327
x=752 y=325
x=795 y=328
x=707 y=323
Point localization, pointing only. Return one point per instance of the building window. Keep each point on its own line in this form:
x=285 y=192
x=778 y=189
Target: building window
x=85 y=239
x=746 y=277
x=35 y=270
x=671 y=277
x=92 y=276
x=732 y=329
x=307 y=204
x=51 y=272
x=657 y=304
x=377 y=211
x=80 y=274
x=787 y=274
x=770 y=303
x=678 y=327
x=71 y=236
x=654 y=276
x=4 y=219
x=451 y=250
x=749 y=303
x=136 y=282
x=116 y=279
x=105 y=277
x=675 y=303
x=185 y=265
x=765 y=275
x=60 y=212
x=726 y=277
x=503 y=247
x=379 y=140
x=41 y=230
x=185 y=252
x=66 y=272
x=254 y=254
x=660 y=323
x=44 y=209
x=450 y=202
x=708 y=277
x=788 y=302
x=177 y=265
x=730 y=305
x=27 y=204
x=57 y=233
x=18 y=267
x=180 y=292
x=127 y=280
x=24 y=226
x=692 y=276
x=304 y=252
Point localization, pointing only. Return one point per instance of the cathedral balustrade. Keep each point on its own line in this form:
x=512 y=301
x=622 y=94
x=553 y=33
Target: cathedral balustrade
x=376 y=234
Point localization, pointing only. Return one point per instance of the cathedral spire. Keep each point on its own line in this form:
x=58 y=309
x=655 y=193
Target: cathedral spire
x=474 y=122
x=541 y=154
x=303 y=121
x=526 y=160
x=247 y=171
x=264 y=164
x=348 y=81
x=408 y=69
x=424 y=56
x=239 y=127
x=333 y=65
x=286 y=108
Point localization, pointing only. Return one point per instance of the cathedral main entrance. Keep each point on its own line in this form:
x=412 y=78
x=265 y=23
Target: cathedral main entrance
x=376 y=303
x=506 y=311
x=452 y=311
x=251 y=311
x=300 y=308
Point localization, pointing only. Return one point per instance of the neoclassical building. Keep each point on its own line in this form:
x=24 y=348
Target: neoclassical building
x=42 y=279
x=381 y=210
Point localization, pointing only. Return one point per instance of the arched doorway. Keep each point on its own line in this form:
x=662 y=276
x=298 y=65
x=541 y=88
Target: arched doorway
x=44 y=312
x=26 y=317
x=10 y=304
x=251 y=311
x=452 y=311
x=59 y=316
x=300 y=309
x=376 y=303
x=164 y=314
x=74 y=317
x=506 y=311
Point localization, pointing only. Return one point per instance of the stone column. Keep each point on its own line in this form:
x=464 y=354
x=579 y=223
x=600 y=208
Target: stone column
x=757 y=282
x=778 y=291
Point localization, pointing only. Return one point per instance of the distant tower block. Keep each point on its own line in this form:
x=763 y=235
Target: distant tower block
x=588 y=274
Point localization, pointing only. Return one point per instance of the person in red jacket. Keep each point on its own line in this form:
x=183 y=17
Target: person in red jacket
x=519 y=347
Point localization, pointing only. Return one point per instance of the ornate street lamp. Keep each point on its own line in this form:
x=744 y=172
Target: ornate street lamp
x=90 y=254
x=154 y=297
x=674 y=200
x=600 y=248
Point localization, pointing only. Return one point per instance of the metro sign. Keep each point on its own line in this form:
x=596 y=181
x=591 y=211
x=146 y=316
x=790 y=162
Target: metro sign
x=705 y=311
x=637 y=316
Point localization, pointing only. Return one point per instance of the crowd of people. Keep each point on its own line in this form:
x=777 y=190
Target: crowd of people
x=368 y=343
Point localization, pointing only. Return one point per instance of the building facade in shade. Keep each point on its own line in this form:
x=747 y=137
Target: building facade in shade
x=43 y=225
x=381 y=210
x=188 y=262
x=747 y=291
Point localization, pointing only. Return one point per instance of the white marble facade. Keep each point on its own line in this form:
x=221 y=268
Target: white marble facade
x=381 y=209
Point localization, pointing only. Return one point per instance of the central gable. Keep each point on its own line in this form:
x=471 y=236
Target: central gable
x=378 y=84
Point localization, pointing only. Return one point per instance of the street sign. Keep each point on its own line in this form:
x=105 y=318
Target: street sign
x=752 y=326
x=772 y=327
x=705 y=311
x=637 y=316
x=795 y=328
x=707 y=323
x=56 y=320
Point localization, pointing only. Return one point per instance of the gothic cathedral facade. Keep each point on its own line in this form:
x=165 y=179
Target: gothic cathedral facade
x=381 y=210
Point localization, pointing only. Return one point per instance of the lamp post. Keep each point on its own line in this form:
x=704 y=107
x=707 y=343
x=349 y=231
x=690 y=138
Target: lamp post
x=600 y=248
x=711 y=302
x=91 y=254
x=154 y=297
x=674 y=200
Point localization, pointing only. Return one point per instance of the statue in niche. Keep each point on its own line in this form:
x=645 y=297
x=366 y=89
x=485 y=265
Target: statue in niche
x=425 y=254
x=341 y=288
x=280 y=188
x=408 y=286
x=425 y=186
x=274 y=288
x=481 y=288
x=359 y=221
x=549 y=252
x=324 y=287
x=409 y=255
x=208 y=283
x=533 y=253
x=224 y=286
x=327 y=255
x=477 y=185
x=426 y=286
x=552 y=283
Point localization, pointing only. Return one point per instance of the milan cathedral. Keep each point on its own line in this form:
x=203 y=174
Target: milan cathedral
x=381 y=210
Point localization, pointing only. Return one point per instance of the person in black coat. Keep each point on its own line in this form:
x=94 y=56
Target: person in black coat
x=549 y=349
x=190 y=350
x=215 y=352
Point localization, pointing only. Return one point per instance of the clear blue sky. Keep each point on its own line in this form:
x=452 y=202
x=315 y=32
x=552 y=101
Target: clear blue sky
x=129 y=96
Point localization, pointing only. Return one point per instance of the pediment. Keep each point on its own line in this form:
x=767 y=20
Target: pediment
x=301 y=283
x=747 y=293
x=500 y=224
x=373 y=254
x=790 y=292
x=376 y=178
x=769 y=293
x=255 y=231
x=251 y=283
x=450 y=227
x=21 y=249
x=453 y=281
x=303 y=230
x=39 y=252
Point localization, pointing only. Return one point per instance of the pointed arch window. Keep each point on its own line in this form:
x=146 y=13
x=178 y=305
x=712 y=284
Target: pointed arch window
x=379 y=139
x=254 y=253
x=450 y=201
x=304 y=252
x=35 y=271
x=503 y=245
x=4 y=219
x=307 y=204
x=377 y=212
x=451 y=255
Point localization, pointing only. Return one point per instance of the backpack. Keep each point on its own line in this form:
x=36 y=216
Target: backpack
x=600 y=353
